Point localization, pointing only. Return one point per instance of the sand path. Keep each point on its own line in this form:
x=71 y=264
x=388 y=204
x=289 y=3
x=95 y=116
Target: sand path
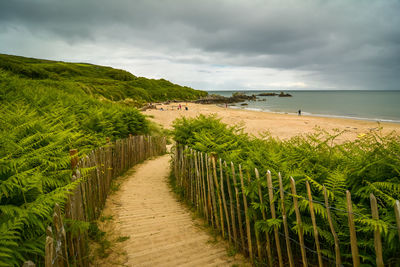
x=161 y=229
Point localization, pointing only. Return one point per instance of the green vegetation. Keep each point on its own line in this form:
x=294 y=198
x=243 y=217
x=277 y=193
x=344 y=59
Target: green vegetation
x=99 y=236
x=46 y=109
x=98 y=81
x=370 y=164
x=122 y=238
x=106 y=218
x=40 y=122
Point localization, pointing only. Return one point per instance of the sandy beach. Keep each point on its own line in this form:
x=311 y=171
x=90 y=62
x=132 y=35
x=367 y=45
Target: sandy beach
x=283 y=126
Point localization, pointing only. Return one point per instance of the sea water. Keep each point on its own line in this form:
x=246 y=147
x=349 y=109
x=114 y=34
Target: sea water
x=364 y=105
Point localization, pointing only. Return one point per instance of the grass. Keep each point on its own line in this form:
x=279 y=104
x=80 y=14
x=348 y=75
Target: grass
x=106 y=218
x=103 y=251
x=95 y=233
x=122 y=238
x=232 y=251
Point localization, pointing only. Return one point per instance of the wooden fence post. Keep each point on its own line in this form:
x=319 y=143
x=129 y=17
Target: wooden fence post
x=49 y=248
x=176 y=161
x=214 y=187
x=273 y=215
x=221 y=215
x=268 y=243
x=180 y=160
x=196 y=167
x=203 y=180
x=353 y=237
x=109 y=162
x=232 y=209
x=209 y=191
x=335 y=237
x=188 y=175
x=314 y=223
x=246 y=214
x=61 y=256
x=28 y=264
x=223 y=200
x=258 y=244
x=397 y=212
x=185 y=172
x=377 y=233
x=194 y=179
x=235 y=184
x=201 y=183
x=285 y=225
x=191 y=177
x=299 y=222
x=201 y=200
x=74 y=158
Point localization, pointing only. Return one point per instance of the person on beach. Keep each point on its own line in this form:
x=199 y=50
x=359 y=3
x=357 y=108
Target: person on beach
x=186 y=108
x=299 y=112
x=180 y=107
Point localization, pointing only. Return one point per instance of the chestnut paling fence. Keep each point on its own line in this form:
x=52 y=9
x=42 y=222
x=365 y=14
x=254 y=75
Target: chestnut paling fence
x=66 y=246
x=252 y=211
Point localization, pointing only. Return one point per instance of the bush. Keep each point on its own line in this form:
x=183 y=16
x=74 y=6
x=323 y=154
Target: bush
x=40 y=122
x=369 y=164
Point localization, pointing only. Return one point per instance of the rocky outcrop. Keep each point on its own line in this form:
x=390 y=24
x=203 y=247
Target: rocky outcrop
x=282 y=94
x=148 y=106
x=267 y=94
x=218 y=99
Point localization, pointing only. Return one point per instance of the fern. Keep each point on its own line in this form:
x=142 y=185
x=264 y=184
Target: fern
x=41 y=120
x=369 y=164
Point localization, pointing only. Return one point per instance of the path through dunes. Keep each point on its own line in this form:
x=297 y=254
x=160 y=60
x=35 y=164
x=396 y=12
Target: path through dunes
x=162 y=231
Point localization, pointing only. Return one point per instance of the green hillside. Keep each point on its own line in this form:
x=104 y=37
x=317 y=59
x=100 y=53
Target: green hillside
x=46 y=109
x=99 y=81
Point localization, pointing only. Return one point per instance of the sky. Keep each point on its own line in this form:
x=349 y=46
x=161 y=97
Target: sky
x=219 y=44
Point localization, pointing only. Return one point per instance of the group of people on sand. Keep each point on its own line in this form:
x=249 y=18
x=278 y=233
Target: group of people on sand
x=179 y=108
x=226 y=106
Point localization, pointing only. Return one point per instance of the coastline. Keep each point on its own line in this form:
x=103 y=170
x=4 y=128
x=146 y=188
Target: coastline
x=283 y=126
x=362 y=104
x=316 y=115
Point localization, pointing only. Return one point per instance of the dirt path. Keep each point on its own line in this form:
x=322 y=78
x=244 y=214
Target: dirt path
x=162 y=231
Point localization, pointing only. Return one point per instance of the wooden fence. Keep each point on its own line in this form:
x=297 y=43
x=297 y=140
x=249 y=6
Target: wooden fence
x=242 y=208
x=66 y=245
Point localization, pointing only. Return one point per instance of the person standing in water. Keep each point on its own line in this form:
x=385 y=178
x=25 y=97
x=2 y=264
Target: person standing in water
x=299 y=112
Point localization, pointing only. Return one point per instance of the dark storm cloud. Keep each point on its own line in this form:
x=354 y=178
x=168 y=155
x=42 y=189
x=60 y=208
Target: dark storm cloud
x=350 y=44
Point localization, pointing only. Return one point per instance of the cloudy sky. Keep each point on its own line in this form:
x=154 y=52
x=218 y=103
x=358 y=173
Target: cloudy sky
x=219 y=44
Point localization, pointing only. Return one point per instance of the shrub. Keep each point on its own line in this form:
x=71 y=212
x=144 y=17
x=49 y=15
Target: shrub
x=369 y=164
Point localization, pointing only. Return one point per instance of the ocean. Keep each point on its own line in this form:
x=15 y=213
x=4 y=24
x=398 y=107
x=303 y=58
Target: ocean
x=362 y=105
